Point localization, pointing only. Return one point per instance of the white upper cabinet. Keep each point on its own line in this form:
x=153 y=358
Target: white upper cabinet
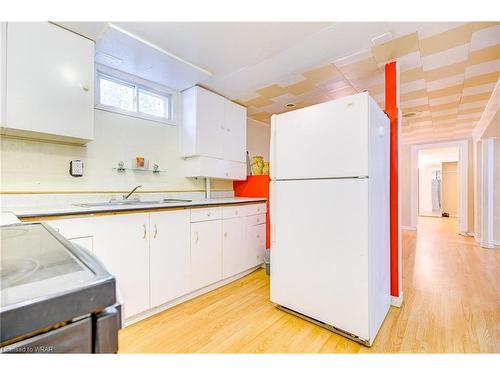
x=202 y=130
x=3 y=66
x=212 y=135
x=235 y=139
x=49 y=88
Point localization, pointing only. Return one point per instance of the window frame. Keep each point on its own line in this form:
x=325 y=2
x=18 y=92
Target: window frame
x=138 y=84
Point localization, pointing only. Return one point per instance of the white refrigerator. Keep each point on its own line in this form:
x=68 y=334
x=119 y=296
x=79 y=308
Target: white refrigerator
x=329 y=202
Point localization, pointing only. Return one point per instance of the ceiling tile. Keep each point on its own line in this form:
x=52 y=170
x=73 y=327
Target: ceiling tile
x=446 y=57
x=485 y=37
x=438 y=28
x=475 y=98
x=481 y=79
x=419 y=84
x=411 y=75
x=483 y=68
x=301 y=87
x=417 y=94
x=475 y=104
x=479 y=89
x=445 y=71
x=272 y=91
x=445 y=106
x=439 y=84
x=485 y=54
x=410 y=61
x=445 y=99
x=463 y=111
x=322 y=73
x=447 y=91
x=394 y=48
x=415 y=102
x=446 y=40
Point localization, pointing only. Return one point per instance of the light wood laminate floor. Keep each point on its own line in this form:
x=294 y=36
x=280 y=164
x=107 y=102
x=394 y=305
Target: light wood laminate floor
x=451 y=305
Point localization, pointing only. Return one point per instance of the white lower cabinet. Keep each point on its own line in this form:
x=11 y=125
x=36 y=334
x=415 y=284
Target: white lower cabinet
x=159 y=256
x=256 y=243
x=85 y=242
x=169 y=262
x=121 y=242
x=206 y=253
x=234 y=246
x=79 y=230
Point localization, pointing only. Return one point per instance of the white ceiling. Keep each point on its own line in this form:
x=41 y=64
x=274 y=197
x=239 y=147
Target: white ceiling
x=245 y=56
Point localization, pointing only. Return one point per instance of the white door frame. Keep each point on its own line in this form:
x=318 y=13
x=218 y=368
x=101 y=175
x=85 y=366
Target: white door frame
x=463 y=164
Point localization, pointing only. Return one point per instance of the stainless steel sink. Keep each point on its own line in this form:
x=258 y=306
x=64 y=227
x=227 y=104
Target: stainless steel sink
x=117 y=203
x=173 y=200
x=131 y=202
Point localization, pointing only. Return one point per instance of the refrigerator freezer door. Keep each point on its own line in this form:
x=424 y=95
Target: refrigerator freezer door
x=319 y=250
x=324 y=140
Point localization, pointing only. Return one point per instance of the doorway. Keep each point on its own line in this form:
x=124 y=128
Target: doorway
x=438 y=183
x=433 y=155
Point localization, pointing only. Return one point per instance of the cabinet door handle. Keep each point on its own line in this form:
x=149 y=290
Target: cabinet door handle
x=225 y=234
x=144 y=231
x=195 y=237
x=228 y=129
x=222 y=127
x=156 y=231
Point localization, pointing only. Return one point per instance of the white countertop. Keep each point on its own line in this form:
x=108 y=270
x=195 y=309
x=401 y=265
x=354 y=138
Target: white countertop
x=8 y=218
x=69 y=209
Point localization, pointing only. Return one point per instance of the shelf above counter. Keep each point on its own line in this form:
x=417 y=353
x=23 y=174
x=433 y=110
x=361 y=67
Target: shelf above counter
x=139 y=170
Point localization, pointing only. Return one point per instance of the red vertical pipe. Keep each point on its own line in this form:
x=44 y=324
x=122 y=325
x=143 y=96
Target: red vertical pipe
x=392 y=111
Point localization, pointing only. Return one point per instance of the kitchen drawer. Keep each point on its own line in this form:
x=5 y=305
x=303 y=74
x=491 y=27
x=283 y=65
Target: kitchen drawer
x=73 y=228
x=229 y=212
x=256 y=219
x=256 y=209
x=205 y=214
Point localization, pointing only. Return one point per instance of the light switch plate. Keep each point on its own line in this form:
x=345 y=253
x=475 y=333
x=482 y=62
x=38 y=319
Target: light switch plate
x=76 y=168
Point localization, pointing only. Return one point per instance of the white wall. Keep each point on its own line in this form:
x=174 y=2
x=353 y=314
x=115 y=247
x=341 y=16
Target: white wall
x=30 y=166
x=496 y=193
x=258 y=137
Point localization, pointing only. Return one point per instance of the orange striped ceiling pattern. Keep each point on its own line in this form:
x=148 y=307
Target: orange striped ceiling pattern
x=447 y=75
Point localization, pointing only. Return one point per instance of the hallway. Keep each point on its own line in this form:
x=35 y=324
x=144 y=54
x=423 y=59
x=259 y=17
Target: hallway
x=451 y=305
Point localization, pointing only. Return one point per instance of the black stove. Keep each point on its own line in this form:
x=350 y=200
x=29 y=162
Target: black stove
x=54 y=296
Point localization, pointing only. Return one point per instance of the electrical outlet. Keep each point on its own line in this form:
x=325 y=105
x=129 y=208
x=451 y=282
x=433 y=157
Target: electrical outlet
x=76 y=168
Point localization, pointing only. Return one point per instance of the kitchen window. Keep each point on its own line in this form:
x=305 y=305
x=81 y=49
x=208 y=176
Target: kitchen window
x=134 y=97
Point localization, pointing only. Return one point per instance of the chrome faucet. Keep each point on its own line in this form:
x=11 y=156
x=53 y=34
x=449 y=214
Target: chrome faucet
x=132 y=192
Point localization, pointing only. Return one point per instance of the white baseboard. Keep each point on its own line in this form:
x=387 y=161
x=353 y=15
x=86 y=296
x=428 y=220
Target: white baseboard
x=397 y=301
x=488 y=245
x=408 y=227
x=187 y=297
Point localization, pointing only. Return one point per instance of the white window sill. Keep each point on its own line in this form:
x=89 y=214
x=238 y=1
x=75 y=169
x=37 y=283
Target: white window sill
x=142 y=116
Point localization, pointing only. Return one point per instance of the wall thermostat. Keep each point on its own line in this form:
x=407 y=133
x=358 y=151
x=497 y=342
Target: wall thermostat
x=76 y=168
